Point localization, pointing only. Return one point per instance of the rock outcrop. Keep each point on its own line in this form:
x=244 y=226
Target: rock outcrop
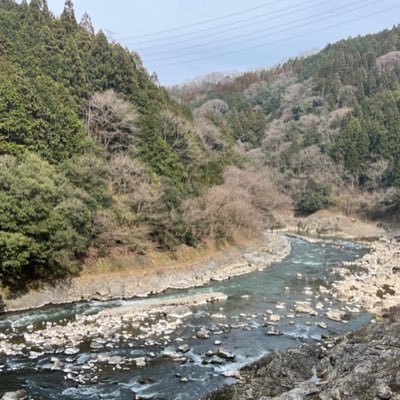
x=364 y=365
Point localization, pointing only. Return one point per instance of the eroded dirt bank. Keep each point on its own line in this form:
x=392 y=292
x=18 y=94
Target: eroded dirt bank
x=144 y=280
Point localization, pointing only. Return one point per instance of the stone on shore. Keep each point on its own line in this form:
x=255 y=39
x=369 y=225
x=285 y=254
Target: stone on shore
x=232 y=374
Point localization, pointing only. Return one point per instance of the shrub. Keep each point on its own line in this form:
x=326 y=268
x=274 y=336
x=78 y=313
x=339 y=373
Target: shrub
x=315 y=198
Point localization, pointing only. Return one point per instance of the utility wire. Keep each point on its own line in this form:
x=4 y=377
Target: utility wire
x=245 y=38
x=280 y=40
x=212 y=31
x=207 y=21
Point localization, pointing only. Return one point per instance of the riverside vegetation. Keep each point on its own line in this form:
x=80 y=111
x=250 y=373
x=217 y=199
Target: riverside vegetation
x=98 y=159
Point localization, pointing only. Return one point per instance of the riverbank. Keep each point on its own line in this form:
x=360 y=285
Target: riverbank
x=361 y=365
x=373 y=281
x=328 y=224
x=141 y=280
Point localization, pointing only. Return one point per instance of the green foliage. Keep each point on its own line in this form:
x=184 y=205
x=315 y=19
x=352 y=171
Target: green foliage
x=91 y=174
x=44 y=224
x=352 y=146
x=315 y=198
x=38 y=114
x=248 y=126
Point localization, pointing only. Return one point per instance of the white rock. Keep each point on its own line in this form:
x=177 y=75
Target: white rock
x=335 y=314
x=202 y=334
x=140 y=362
x=274 y=318
x=304 y=308
x=71 y=350
x=232 y=374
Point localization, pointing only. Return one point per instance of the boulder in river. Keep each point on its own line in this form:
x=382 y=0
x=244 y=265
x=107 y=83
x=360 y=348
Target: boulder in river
x=202 y=334
x=71 y=350
x=274 y=318
x=336 y=314
x=57 y=365
x=302 y=307
x=184 y=348
x=140 y=362
x=221 y=353
x=273 y=331
x=18 y=395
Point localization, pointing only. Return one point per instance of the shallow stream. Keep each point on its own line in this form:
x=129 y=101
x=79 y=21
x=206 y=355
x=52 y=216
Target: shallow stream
x=238 y=323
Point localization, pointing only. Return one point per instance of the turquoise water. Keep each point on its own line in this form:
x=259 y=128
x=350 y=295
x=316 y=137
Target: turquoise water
x=249 y=297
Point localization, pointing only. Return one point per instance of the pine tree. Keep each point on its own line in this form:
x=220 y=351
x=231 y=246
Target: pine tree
x=40 y=5
x=68 y=16
x=86 y=23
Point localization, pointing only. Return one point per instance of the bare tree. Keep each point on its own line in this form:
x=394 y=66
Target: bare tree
x=214 y=106
x=112 y=121
x=130 y=178
x=388 y=61
x=210 y=135
x=179 y=134
x=245 y=202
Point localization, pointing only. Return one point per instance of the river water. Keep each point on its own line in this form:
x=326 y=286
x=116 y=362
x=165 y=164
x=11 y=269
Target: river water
x=242 y=332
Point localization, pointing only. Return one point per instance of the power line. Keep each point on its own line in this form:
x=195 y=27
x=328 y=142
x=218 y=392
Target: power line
x=207 y=21
x=245 y=38
x=217 y=28
x=279 y=40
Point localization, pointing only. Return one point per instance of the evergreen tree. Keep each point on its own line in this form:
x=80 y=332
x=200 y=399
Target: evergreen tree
x=68 y=16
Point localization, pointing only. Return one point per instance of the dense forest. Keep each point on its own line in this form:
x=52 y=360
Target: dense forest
x=96 y=157
x=327 y=125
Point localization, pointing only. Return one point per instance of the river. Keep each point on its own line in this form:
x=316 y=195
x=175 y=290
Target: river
x=238 y=323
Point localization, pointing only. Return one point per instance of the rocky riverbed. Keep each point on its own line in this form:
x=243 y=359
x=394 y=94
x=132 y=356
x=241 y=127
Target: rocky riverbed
x=364 y=365
x=372 y=282
x=360 y=365
x=181 y=344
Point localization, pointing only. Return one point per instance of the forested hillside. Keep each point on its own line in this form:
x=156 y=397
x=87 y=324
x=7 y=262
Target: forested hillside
x=96 y=156
x=328 y=125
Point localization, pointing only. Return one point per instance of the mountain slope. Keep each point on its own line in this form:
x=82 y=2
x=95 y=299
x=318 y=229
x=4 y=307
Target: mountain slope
x=327 y=123
x=96 y=157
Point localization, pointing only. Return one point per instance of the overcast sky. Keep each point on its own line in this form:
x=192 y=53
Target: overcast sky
x=242 y=34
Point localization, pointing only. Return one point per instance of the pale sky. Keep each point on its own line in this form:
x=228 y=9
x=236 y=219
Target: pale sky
x=243 y=34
